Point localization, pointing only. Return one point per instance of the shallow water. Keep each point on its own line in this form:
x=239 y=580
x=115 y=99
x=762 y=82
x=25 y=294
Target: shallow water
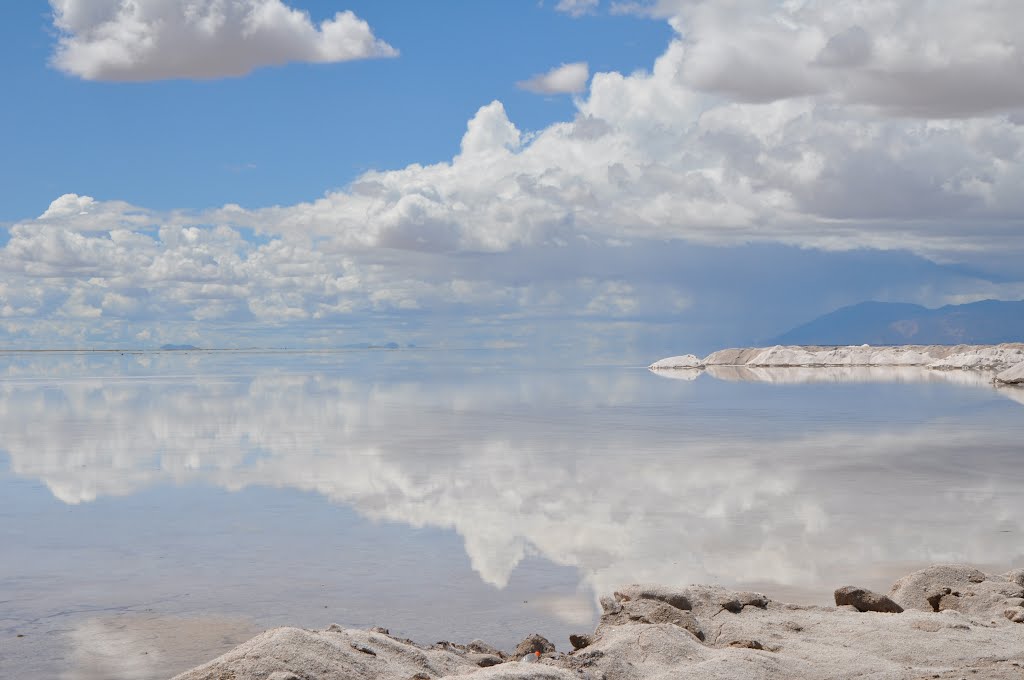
x=156 y=509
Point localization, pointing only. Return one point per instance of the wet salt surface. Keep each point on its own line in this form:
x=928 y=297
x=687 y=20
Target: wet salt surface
x=156 y=509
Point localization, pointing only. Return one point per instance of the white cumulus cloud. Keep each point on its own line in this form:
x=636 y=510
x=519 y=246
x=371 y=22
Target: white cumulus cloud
x=565 y=79
x=912 y=57
x=577 y=7
x=650 y=157
x=139 y=40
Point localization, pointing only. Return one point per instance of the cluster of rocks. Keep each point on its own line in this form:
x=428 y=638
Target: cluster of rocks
x=946 y=621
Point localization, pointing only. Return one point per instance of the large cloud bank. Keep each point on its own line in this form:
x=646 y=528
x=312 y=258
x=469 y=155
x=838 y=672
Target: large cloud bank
x=888 y=126
x=159 y=39
x=895 y=126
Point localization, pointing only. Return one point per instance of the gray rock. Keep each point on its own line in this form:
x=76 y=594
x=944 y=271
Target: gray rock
x=519 y=671
x=484 y=660
x=1015 y=576
x=865 y=600
x=708 y=601
x=955 y=587
x=610 y=605
x=746 y=644
x=363 y=648
x=646 y=611
x=449 y=646
x=533 y=643
x=481 y=647
x=934 y=597
x=579 y=640
x=675 y=597
x=750 y=599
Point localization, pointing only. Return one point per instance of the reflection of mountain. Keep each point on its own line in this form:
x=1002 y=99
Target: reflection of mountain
x=513 y=469
x=888 y=323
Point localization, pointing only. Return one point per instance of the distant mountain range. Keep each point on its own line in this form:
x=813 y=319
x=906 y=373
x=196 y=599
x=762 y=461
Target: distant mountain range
x=891 y=323
x=372 y=345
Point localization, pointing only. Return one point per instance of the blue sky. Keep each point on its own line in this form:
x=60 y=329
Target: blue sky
x=629 y=179
x=288 y=133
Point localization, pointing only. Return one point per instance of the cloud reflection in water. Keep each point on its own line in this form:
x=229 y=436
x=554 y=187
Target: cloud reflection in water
x=616 y=473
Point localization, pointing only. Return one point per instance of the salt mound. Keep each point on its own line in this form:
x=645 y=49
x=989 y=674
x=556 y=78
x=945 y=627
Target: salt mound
x=968 y=357
x=1012 y=376
x=982 y=358
x=682 y=361
x=332 y=654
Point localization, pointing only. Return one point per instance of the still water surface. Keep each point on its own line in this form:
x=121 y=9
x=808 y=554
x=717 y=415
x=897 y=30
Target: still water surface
x=156 y=509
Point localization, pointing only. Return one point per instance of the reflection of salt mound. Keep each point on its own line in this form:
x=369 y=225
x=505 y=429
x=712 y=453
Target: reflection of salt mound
x=1013 y=393
x=799 y=375
x=679 y=373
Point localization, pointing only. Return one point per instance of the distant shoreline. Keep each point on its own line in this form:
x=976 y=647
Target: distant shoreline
x=1005 y=362
x=213 y=350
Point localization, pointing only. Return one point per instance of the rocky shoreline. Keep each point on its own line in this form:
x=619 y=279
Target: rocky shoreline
x=1004 y=362
x=946 y=621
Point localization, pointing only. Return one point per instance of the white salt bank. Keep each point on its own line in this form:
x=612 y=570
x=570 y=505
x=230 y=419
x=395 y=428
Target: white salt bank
x=986 y=358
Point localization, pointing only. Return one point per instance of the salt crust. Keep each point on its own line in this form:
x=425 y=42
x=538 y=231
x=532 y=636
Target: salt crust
x=956 y=622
